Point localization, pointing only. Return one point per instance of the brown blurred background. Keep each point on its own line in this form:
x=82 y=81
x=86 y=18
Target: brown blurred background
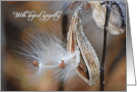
x=15 y=30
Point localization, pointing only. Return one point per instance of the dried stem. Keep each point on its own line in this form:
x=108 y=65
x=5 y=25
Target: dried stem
x=64 y=32
x=64 y=26
x=104 y=47
x=61 y=88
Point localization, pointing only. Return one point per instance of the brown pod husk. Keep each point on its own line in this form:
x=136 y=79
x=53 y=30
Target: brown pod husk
x=99 y=14
x=89 y=67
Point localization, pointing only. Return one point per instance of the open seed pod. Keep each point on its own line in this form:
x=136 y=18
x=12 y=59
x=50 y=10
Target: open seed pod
x=116 y=20
x=88 y=68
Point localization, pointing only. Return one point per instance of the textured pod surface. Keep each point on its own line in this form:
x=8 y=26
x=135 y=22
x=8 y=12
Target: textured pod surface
x=115 y=21
x=89 y=67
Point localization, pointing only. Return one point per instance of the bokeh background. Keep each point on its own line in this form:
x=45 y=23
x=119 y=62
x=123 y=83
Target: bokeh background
x=14 y=30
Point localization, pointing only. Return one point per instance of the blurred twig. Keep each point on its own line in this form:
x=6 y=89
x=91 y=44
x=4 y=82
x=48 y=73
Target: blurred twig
x=64 y=26
x=104 y=46
x=64 y=32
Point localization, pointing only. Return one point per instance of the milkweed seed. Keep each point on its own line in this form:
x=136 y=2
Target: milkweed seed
x=35 y=63
x=62 y=64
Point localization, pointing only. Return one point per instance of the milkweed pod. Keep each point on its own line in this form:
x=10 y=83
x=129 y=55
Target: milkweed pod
x=116 y=20
x=88 y=68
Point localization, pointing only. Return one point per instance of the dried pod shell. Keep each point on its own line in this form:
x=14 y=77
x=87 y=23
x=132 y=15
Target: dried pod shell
x=88 y=68
x=99 y=15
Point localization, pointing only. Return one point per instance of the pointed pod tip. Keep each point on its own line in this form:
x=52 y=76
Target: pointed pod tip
x=78 y=11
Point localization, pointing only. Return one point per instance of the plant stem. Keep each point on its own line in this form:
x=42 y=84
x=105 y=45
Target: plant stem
x=64 y=26
x=64 y=33
x=61 y=88
x=104 y=47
